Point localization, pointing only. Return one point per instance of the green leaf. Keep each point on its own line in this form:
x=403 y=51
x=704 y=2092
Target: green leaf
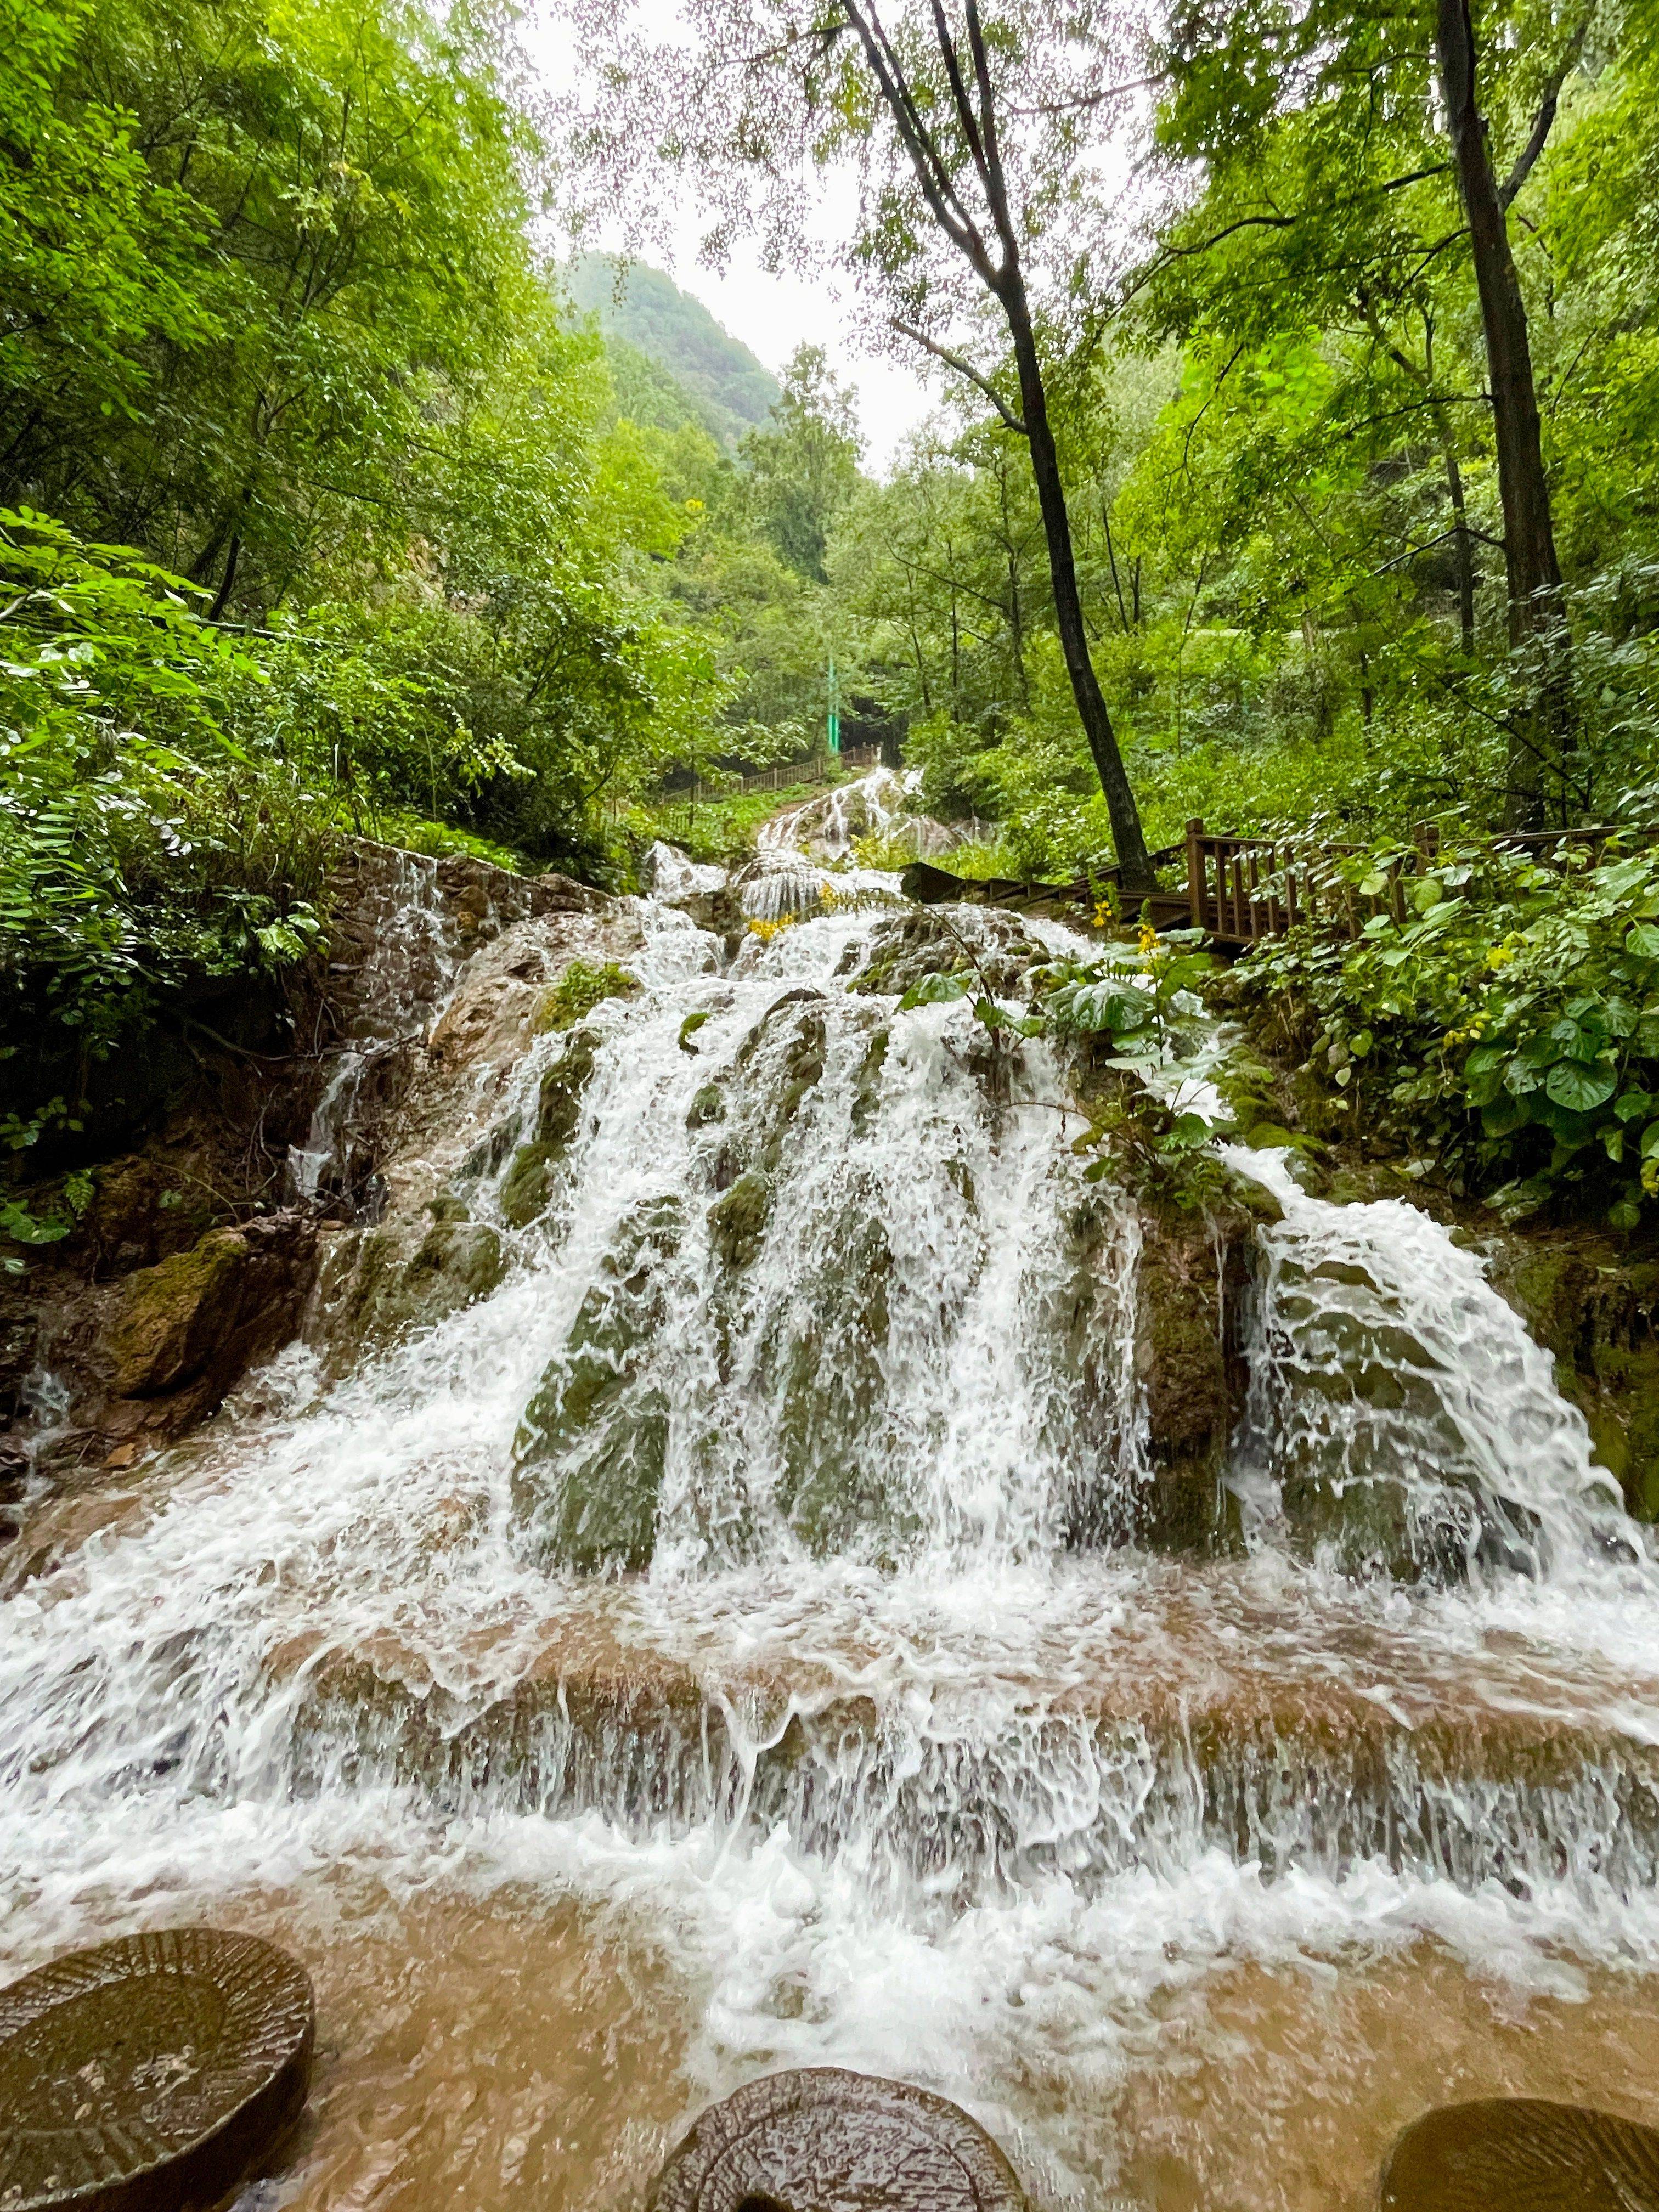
x=1504 y=1115
x=1570 y=1084
x=1651 y=1140
x=1189 y=1129
x=1632 y=1104
x=1626 y=1213
x=1642 y=939
x=933 y=991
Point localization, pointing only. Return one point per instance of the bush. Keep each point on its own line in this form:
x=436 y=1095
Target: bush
x=1505 y=1031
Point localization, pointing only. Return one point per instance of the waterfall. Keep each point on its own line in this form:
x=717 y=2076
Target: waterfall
x=680 y=1662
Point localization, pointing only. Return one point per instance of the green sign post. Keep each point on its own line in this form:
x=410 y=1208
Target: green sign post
x=832 y=722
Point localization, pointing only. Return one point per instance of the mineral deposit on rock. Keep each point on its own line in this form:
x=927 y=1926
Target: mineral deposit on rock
x=1522 y=2154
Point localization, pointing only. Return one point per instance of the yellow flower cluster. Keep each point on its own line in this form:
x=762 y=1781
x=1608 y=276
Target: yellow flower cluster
x=1147 y=940
x=1476 y=1023
x=765 y=931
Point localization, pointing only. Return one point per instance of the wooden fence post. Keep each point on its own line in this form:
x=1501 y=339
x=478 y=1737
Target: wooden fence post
x=1195 y=870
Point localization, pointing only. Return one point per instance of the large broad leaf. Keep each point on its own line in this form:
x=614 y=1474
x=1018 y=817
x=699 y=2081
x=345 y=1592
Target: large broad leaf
x=1643 y=940
x=1579 y=1088
x=1484 y=1084
x=1108 y=1005
x=1505 y=1116
x=933 y=991
x=1569 y=1130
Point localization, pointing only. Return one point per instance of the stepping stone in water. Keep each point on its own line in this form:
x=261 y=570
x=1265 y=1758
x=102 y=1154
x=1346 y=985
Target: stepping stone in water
x=1521 y=2155
x=820 y=2137
x=151 y=2074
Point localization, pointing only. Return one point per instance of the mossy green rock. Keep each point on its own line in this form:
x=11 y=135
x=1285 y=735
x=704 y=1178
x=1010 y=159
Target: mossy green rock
x=834 y=1492
x=527 y=1185
x=737 y=1220
x=559 y=1105
x=590 y=1451
x=377 y=1291
x=707 y=1106
x=173 y=1315
x=1593 y=1306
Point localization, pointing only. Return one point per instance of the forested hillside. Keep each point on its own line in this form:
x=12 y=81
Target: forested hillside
x=731 y=391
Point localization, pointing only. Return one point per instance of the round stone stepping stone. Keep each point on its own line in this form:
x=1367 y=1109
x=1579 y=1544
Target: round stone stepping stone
x=149 y=2075
x=804 y=2140
x=1522 y=2154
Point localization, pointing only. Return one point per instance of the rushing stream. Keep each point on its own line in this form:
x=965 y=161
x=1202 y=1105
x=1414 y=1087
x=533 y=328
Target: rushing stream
x=679 y=1663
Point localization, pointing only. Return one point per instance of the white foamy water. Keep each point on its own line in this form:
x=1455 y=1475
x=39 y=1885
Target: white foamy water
x=883 y=1772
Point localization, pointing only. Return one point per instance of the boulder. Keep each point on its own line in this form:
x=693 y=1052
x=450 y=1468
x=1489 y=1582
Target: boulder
x=204 y=1316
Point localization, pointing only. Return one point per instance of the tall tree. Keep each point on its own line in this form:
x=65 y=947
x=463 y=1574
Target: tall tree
x=971 y=132
x=1325 y=138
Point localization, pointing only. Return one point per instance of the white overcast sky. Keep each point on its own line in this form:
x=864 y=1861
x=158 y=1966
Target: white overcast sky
x=771 y=314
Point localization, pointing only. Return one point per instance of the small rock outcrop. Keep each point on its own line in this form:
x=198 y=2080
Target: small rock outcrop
x=1593 y=1306
x=203 y=1315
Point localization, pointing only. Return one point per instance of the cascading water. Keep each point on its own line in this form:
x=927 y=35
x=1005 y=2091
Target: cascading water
x=680 y=1662
x=411 y=960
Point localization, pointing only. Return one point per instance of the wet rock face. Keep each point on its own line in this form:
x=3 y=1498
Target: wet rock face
x=991 y=947
x=202 y=1317
x=590 y=1451
x=527 y=1186
x=1522 y=2154
x=1194 y=1279
x=1595 y=1309
x=1193 y=1282
x=819 y=2138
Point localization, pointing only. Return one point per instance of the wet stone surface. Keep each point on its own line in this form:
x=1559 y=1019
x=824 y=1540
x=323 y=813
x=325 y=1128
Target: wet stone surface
x=1522 y=2154
x=153 y=2071
x=819 y=2137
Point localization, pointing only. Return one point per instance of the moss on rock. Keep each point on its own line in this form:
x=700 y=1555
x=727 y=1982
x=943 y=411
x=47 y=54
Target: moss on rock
x=1595 y=1308
x=591 y=1448
x=580 y=990
x=737 y=1219
x=173 y=1315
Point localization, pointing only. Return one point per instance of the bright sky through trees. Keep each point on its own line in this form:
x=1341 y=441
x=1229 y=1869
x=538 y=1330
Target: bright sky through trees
x=772 y=312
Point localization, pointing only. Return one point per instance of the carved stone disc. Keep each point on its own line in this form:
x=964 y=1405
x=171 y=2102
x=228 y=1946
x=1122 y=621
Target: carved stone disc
x=1521 y=2155
x=149 y=2074
x=821 y=2138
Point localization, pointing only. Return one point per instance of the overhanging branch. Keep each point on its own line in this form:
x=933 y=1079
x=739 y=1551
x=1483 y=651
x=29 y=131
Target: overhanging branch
x=963 y=368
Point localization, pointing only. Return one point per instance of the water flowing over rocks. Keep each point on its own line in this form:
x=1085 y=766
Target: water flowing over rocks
x=748 y=1537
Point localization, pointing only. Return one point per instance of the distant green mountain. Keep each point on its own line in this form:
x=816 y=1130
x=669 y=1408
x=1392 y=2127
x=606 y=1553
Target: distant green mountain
x=730 y=391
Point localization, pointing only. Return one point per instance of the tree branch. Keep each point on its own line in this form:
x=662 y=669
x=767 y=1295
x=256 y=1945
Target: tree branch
x=963 y=368
x=931 y=172
x=1527 y=159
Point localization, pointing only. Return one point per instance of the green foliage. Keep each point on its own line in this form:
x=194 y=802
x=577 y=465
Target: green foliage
x=140 y=847
x=706 y=375
x=1505 y=1032
x=580 y=990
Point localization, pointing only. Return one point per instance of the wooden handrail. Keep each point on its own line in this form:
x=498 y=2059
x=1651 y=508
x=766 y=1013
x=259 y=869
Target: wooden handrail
x=1241 y=889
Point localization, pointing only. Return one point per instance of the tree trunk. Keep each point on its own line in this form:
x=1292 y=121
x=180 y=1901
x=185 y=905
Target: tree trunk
x=1533 y=571
x=1129 y=839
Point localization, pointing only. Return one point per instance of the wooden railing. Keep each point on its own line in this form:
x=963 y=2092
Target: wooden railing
x=1242 y=890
